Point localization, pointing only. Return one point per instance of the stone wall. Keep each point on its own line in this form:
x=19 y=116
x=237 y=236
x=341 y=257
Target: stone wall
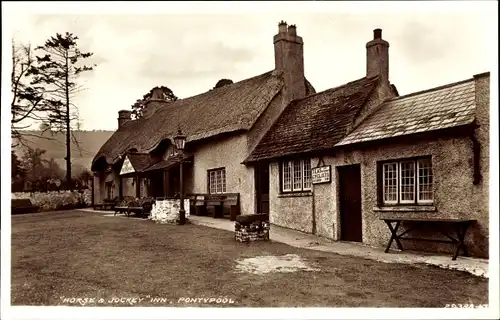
x=455 y=195
x=53 y=200
x=167 y=211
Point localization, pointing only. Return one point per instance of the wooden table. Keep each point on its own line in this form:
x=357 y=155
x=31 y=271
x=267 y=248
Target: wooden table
x=460 y=228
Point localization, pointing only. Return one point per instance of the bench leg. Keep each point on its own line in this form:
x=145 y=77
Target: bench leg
x=394 y=235
x=234 y=213
x=218 y=212
x=461 y=231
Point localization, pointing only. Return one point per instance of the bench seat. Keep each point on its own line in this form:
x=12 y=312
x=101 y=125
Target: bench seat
x=19 y=206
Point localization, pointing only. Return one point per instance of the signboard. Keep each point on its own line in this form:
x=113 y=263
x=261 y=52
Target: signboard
x=126 y=167
x=321 y=174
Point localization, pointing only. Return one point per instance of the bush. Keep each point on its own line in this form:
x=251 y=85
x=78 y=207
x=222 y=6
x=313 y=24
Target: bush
x=65 y=200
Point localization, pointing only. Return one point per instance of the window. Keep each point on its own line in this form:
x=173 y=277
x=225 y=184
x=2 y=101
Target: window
x=296 y=175
x=407 y=182
x=217 y=180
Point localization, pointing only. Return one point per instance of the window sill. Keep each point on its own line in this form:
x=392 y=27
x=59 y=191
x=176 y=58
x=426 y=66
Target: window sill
x=295 y=194
x=422 y=208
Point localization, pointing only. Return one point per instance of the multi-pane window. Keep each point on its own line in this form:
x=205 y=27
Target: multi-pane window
x=425 y=193
x=217 y=181
x=407 y=182
x=390 y=182
x=296 y=175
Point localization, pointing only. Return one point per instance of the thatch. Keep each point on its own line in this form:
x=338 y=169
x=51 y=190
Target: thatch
x=315 y=122
x=140 y=161
x=233 y=107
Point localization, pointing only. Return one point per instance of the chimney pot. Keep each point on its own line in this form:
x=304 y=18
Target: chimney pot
x=124 y=116
x=292 y=30
x=377 y=34
x=282 y=27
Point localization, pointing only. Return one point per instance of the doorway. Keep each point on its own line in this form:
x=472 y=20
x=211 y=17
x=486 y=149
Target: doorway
x=350 y=203
x=262 y=188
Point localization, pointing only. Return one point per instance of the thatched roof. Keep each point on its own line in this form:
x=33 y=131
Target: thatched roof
x=315 y=122
x=233 y=107
x=140 y=161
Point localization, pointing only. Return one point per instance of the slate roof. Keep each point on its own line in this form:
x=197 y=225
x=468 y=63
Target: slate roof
x=315 y=122
x=438 y=108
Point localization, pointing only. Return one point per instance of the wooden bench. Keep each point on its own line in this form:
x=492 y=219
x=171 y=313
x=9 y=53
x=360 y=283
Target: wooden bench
x=19 y=206
x=107 y=204
x=439 y=225
x=200 y=201
x=129 y=206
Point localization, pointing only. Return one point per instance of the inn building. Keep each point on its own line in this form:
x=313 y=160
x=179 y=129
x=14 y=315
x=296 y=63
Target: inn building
x=332 y=163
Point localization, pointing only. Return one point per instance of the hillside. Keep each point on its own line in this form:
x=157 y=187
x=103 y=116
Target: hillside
x=54 y=143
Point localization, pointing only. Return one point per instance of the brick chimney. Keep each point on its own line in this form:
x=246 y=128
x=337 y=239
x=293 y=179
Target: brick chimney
x=124 y=116
x=289 y=59
x=377 y=57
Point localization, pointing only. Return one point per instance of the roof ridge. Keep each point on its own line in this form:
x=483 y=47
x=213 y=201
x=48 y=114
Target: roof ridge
x=229 y=85
x=338 y=87
x=170 y=103
x=430 y=90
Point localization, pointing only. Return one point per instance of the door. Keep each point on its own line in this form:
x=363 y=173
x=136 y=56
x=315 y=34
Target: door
x=350 y=203
x=262 y=187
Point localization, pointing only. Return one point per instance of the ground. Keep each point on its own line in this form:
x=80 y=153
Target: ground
x=60 y=257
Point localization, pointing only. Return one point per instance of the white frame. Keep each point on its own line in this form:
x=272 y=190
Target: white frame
x=304 y=175
x=397 y=183
x=400 y=182
x=424 y=201
x=214 y=184
x=287 y=164
x=290 y=164
x=416 y=191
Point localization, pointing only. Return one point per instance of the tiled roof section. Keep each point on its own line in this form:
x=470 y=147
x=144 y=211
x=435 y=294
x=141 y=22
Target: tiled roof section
x=140 y=161
x=230 y=108
x=314 y=123
x=439 y=108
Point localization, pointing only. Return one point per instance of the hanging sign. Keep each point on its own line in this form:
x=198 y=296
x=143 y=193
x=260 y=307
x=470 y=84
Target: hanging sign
x=321 y=174
x=127 y=167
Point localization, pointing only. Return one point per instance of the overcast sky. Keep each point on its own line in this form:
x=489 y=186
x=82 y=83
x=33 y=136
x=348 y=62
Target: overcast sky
x=189 y=50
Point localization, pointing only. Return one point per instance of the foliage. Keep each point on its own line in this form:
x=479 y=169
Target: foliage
x=57 y=72
x=223 y=82
x=157 y=93
x=39 y=174
x=18 y=173
x=26 y=98
x=64 y=200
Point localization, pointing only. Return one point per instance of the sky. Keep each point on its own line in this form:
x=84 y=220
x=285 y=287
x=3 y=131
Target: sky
x=189 y=50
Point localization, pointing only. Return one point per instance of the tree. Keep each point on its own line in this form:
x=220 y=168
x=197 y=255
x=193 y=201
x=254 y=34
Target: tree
x=57 y=71
x=85 y=178
x=40 y=172
x=157 y=93
x=223 y=82
x=26 y=98
x=17 y=173
x=32 y=162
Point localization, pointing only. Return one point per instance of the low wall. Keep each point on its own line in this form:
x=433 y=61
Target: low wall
x=167 y=211
x=53 y=200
